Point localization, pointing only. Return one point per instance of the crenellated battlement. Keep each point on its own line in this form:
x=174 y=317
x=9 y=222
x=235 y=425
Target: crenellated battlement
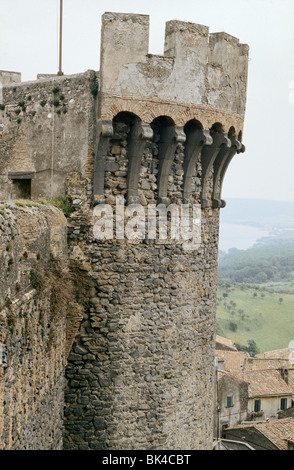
x=201 y=80
x=201 y=74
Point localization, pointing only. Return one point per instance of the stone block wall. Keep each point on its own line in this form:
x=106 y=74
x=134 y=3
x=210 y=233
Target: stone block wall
x=6 y=78
x=33 y=339
x=46 y=130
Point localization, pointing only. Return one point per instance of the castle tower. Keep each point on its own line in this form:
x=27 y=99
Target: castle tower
x=140 y=373
x=140 y=149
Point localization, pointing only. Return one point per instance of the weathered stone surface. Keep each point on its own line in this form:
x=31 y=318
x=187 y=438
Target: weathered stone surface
x=201 y=75
x=32 y=340
x=140 y=353
x=150 y=327
x=46 y=131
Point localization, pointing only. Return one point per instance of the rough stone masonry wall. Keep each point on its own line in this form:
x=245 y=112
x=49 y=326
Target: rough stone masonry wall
x=46 y=130
x=32 y=340
x=140 y=374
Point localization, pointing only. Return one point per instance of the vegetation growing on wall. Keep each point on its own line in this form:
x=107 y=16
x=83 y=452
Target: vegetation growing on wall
x=95 y=88
x=65 y=284
x=59 y=202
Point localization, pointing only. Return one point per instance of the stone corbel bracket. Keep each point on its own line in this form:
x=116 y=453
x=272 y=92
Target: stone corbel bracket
x=105 y=132
x=221 y=165
x=195 y=141
x=208 y=156
x=140 y=133
x=170 y=137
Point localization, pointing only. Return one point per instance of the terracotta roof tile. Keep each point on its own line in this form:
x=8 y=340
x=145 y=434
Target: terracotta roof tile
x=277 y=431
x=265 y=382
x=275 y=354
x=291 y=379
x=225 y=342
x=234 y=360
x=264 y=363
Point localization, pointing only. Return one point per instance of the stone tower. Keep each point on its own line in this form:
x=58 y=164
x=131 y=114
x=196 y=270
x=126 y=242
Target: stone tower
x=141 y=371
x=146 y=132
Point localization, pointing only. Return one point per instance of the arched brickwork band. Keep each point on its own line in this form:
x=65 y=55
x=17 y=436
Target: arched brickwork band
x=149 y=109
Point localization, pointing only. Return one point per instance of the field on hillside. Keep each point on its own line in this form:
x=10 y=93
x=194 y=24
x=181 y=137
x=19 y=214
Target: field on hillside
x=254 y=313
x=256 y=293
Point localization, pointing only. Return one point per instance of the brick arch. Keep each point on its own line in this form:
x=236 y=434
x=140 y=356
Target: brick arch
x=217 y=127
x=149 y=109
x=126 y=116
x=193 y=123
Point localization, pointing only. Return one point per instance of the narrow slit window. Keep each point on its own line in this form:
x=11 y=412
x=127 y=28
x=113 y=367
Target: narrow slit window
x=257 y=405
x=283 y=403
x=229 y=401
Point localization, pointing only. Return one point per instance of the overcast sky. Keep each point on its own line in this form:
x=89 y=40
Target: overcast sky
x=29 y=44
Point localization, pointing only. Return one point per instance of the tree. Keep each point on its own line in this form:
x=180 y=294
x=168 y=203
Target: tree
x=261 y=277
x=233 y=326
x=252 y=347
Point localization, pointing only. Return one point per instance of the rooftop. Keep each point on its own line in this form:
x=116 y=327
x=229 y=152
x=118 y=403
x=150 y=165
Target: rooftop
x=275 y=354
x=225 y=342
x=256 y=363
x=279 y=432
x=264 y=383
x=234 y=360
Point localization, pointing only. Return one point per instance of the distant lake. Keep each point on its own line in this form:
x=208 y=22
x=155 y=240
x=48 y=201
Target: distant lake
x=239 y=236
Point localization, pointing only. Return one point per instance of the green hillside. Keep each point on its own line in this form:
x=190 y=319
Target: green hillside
x=246 y=313
x=256 y=293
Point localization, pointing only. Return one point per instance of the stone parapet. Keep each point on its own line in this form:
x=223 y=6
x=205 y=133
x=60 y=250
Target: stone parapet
x=198 y=70
x=7 y=78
